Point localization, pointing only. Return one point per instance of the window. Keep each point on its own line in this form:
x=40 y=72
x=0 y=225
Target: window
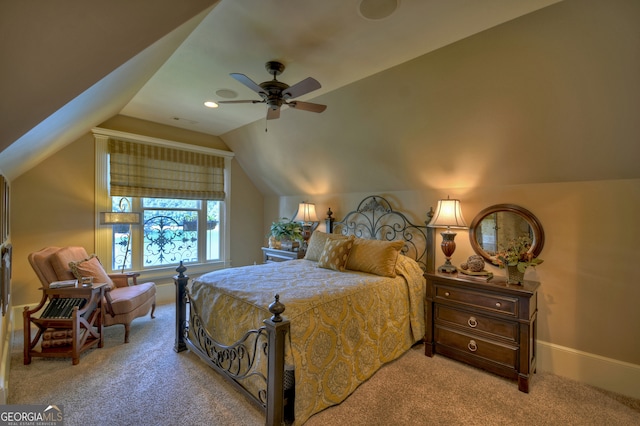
x=182 y=204
x=171 y=231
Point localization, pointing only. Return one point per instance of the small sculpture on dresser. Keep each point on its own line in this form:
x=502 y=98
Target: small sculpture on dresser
x=475 y=263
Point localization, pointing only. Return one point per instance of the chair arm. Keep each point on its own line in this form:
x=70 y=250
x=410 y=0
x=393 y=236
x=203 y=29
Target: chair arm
x=108 y=309
x=122 y=280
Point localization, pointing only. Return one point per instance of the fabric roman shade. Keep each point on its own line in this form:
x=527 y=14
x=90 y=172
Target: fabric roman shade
x=140 y=170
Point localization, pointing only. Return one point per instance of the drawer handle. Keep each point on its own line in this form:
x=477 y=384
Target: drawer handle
x=472 y=322
x=472 y=346
x=446 y=293
x=498 y=304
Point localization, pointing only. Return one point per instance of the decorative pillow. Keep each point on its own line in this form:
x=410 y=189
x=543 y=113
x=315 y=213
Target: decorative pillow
x=335 y=253
x=61 y=258
x=91 y=267
x=316 y=244
x=375 y=256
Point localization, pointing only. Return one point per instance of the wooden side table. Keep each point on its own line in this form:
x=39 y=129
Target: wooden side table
x=275 y=255
x=490 y=325
x=84 y=325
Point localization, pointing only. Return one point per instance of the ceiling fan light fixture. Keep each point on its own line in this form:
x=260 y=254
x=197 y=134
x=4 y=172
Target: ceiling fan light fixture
x=211 y=104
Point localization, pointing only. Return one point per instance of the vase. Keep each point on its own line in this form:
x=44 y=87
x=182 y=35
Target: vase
x=514 y=276
x=190 y=225
x=289 y=245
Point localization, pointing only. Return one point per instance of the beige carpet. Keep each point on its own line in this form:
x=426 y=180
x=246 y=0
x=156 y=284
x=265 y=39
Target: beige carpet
x=146 y=383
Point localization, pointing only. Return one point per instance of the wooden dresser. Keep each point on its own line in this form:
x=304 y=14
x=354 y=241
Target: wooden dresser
x=490 y=325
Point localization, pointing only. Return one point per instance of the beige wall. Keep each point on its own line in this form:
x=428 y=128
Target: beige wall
x=548 y=97
x=588 y=298
x=540 y=112
x=53 y=203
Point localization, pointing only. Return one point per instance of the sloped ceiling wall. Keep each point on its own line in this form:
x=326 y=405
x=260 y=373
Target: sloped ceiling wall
x=51 y=52
x=548 y=97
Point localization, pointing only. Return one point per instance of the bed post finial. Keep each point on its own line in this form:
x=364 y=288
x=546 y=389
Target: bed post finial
x=276 y=308
x=180 y=270
x=329 y=221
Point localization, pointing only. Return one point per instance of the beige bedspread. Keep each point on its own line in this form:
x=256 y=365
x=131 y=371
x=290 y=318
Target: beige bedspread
x=344 y=325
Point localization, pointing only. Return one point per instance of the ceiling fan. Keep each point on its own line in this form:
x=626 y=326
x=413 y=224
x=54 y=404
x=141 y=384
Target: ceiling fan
x=275 y=93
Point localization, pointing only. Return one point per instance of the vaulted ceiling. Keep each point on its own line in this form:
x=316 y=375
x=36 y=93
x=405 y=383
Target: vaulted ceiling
x=70 y=65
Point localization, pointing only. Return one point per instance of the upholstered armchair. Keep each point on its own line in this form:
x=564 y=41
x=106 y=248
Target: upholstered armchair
x=125 y=299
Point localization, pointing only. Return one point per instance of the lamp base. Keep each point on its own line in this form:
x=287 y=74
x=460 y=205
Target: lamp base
x=447 y=268
x=448 y=247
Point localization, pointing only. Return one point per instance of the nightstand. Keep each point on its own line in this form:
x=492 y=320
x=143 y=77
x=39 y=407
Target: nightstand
x=275 y=255
x=490 y=325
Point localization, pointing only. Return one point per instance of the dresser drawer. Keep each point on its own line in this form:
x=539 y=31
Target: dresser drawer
x=505 y=355
x=473 y=322
x=492 y=303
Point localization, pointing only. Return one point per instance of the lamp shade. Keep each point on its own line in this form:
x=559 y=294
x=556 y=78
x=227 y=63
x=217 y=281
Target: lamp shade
x=306 y=213
x=116 y=218
x=448 y=215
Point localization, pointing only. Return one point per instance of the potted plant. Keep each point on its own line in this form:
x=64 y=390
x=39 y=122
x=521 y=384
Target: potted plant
x=516 y=257
x=285 y=232
x=212 y=221
x=190 y=222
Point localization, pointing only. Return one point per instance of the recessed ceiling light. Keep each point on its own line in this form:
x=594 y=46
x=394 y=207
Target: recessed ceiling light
x=211 y=104
x=226 y=93
x=377 y=9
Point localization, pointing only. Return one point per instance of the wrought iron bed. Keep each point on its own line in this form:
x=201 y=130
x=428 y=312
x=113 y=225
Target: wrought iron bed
x=374 y=218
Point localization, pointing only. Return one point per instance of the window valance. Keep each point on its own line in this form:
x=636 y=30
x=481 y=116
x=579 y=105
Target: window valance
x=144 y=170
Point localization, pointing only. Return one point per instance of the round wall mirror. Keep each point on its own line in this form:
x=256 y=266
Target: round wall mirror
x=495 y=226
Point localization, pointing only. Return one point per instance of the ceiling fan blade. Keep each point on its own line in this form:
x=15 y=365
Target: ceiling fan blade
x=272 y=114
x=307 y=85
x=307 y=106
x=248 y=82
x=240 y=102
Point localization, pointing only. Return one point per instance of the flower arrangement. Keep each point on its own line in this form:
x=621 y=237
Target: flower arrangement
x=284 y=229
x=517 y=254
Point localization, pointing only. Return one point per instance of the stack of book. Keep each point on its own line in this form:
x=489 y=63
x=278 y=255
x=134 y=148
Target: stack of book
x=62 y=307
x=480 y=276
x=62 y=284
x=54 y=338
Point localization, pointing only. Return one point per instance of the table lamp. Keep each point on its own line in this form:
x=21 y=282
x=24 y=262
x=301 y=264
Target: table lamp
x=307 y=217
x=448 y=215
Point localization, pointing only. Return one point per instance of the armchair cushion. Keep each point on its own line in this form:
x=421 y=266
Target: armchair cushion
x=61 y=258
x=91 y=267
x=125 y=300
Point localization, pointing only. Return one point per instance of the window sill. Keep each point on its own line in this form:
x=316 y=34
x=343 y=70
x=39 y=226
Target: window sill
x=168 y=272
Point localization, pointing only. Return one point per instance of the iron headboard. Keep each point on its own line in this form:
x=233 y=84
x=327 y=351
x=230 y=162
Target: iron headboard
x=375 y=219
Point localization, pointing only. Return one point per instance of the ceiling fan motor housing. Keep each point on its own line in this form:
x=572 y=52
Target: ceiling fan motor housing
x=273 y=89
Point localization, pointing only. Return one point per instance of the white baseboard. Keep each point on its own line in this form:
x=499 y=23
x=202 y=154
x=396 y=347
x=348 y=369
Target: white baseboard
x=5 y=361
x=595 y=370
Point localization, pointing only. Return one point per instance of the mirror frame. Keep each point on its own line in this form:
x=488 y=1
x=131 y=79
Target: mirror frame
x=534 y=224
